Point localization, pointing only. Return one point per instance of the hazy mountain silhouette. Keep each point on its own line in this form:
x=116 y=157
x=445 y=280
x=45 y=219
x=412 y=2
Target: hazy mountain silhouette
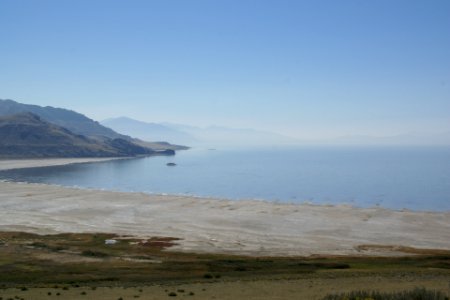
x=148 y=131
x=191 y=135
x=407 y=139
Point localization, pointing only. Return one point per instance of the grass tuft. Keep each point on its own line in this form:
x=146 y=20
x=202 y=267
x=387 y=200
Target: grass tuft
x=416 y=294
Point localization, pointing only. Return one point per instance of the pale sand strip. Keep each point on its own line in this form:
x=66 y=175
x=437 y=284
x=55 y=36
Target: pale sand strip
x=9 y=164
x=221 y=226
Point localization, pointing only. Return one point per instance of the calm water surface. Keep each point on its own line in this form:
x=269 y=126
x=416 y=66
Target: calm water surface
x=397 y=178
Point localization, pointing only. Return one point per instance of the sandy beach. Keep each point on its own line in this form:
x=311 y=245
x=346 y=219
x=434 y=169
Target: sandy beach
x=33 y=163
x=219 y=226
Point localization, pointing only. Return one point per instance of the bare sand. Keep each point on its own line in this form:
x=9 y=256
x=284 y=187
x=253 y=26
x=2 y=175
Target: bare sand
x=222 y=226
x=33 y=163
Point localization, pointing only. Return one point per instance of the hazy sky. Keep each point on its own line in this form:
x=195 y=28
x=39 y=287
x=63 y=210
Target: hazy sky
x=304 y=68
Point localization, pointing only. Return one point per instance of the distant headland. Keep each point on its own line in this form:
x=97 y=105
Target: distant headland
x=32 y=131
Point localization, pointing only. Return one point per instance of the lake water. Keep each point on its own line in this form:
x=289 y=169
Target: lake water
x=396 y=178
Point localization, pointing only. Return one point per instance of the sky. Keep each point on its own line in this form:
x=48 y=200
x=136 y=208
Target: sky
x=308 y=69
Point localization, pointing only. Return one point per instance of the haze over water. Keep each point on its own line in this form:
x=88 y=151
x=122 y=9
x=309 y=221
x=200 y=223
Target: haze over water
x=416 y=178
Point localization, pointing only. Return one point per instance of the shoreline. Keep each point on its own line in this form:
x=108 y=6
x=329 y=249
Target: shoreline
x=211 y=225
x=206 y=225
x=212 y=198
x=11 y=164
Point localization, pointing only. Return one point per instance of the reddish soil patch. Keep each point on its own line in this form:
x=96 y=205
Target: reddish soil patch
x=159 y=242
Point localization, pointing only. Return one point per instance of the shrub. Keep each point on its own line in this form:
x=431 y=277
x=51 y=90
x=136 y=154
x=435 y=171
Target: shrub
x=416 y=294
x=93 y=253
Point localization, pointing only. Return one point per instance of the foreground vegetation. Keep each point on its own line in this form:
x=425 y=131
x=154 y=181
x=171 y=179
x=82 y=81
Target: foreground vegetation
x=78 y=265
x=416 y=294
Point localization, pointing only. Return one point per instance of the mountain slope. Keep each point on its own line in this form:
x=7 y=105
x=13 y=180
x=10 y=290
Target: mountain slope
x=27 y=135
x=75 y=122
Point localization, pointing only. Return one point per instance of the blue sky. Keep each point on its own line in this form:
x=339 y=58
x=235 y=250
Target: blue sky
x=304 y=68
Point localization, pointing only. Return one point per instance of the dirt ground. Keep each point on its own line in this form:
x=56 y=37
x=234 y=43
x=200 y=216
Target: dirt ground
x=313 y=288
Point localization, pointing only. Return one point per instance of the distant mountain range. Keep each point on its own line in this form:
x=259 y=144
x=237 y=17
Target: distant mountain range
x=191 y=135
x=35 y=131
x=149 y=131
x=215 y=136
x=409 y=139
